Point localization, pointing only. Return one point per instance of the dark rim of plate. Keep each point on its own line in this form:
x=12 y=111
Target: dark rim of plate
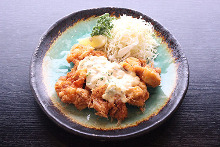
x=42 y=98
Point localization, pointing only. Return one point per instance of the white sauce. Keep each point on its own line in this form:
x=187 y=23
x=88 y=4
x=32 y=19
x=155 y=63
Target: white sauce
x=100 y=71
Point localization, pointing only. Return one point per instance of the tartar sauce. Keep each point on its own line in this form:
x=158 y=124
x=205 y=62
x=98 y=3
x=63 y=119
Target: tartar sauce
x=100 y=71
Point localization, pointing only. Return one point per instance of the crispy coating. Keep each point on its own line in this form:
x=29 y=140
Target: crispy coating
x=99 y=104
x=137 y=95
x=79 y=52
x=150 y=75
x=72 y=88
x=116 y=110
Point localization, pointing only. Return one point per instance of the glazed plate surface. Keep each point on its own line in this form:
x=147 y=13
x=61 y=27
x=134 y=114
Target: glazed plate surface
x=49 y=63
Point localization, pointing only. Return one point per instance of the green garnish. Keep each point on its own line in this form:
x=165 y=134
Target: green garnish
x=103 y=26
x=88 y=74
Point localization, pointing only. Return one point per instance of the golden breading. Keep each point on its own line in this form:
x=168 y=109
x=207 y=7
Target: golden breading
x=150 y=75
x=130 y=63
x=99 y=104
x=137 y=95
x=70 y=89
x=118 y=110
x=79 y=52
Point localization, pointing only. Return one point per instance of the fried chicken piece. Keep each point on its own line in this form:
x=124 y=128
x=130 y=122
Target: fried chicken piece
x=150 y=75
x=130 y=63
x=69 y=89
x=118 y=110
x=79 y=78
x=99 y=104
x=77 y=96
x=79 y=52
x=138 y=95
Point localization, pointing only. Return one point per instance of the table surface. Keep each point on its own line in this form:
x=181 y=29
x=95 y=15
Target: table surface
x=195 y=24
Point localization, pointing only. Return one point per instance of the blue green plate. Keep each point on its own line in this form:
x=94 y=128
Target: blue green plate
x=49 y=63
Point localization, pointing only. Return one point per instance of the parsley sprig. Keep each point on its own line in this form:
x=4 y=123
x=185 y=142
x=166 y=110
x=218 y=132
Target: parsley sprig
x=103 y=26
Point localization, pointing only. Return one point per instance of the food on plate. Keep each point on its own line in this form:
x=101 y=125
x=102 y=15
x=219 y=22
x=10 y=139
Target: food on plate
x=105 y=86
x=103 y=26
x=111 y=69
x=79 y=52
x=131 y=37
x=96 y=41
x=151 y=76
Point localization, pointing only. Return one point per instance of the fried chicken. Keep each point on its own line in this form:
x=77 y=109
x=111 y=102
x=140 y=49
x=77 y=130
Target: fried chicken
x=137 y=95
x=116 y=110
x=72 y=88
x=79 y=52
x=99 y=104
x=150 y=75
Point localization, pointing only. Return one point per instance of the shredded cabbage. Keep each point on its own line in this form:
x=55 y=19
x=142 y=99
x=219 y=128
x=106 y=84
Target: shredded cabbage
x=131 y=37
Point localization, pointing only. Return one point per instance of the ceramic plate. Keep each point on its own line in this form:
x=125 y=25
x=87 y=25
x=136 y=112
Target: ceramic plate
x=49 y=63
